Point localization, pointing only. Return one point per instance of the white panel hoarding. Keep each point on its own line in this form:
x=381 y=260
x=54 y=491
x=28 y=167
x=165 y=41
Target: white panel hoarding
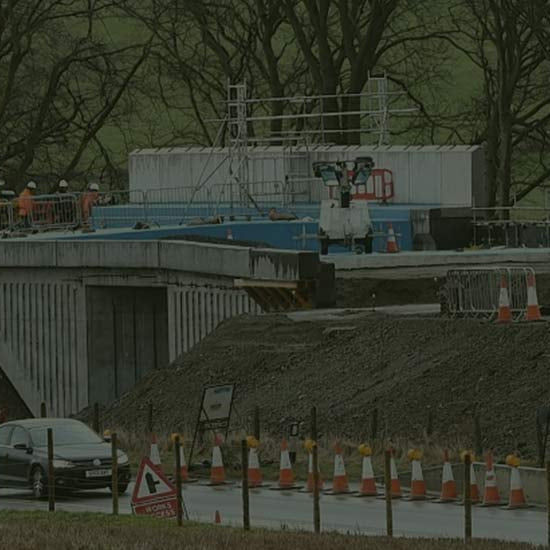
x=434 y=175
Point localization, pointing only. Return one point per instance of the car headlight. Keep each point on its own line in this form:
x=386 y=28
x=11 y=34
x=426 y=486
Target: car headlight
x=122 y=459
x=63 y=464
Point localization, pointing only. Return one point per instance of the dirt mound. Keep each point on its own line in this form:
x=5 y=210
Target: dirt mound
x=409 y=369
x=366 y=292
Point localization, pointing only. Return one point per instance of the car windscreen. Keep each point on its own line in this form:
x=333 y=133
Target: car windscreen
x=64 y=434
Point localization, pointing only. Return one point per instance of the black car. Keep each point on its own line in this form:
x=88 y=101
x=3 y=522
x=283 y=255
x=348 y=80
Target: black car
x=82 y=460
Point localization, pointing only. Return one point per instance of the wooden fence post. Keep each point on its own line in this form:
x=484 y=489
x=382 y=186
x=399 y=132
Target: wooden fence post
x=387 y=483
x=179 y=497
x=315 y=465
x=467 y=499
x=51 y=473
x=114 y=474
x=246 y=495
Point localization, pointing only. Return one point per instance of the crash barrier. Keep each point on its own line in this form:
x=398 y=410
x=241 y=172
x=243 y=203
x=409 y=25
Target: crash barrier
x=477 y=293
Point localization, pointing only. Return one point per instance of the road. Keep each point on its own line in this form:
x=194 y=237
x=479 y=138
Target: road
x=278 y=509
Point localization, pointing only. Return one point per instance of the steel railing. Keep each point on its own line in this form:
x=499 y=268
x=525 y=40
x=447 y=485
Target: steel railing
x=168 y=206
x=60 y=211
x=506 y=225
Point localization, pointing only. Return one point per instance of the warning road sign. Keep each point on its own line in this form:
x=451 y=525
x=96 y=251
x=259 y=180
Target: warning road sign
x=154 y=494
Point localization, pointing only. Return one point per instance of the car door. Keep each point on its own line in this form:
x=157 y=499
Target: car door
x=5 y=432
x=19 y=459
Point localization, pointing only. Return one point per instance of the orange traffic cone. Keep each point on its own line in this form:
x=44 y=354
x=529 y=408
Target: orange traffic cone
x=154 y=454
x=395 y=483
x=474 y=488
x=368 y=485
x=320 y=483
x=340 y=479
x=517 y=496
x=448 y=484
x=217 y=517
x=391 y=245
x=418 y=485
x=254 y=472
x=286 y=477
x=504 y=310
x=533 y=309
x=491 y=495
x=217 y=470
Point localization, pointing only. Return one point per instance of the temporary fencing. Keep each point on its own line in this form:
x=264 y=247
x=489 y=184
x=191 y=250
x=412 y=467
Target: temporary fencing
x=115 y=209
x=59 y=211
x=6 y=215
x=478 y=293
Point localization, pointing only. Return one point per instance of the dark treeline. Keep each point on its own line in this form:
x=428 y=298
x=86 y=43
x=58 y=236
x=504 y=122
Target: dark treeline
x=82 y=82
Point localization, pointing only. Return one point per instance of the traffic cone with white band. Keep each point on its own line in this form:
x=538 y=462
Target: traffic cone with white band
x=418 y=485
x=308 y=446
x=491 y=495
x=340 y=479
x=395 y=483
x=154 y=453
x=254 y=471
x=286 y=477
x=391 y=245
x=368 y=485
x=504 y=309
x=533 y=309
x=474 y=488
x=448 y=483
x=184 y=472
x=517 y=496
x=217 y=470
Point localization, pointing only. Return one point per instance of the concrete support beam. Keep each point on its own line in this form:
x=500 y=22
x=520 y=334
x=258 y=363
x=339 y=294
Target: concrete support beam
x=183 y=256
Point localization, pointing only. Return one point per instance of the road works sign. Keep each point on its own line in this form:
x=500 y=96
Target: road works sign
x=215 y=411
x=216 y=404
x=154 y=494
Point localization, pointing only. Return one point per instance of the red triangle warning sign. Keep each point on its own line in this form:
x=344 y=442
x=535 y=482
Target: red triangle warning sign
x=151 y=484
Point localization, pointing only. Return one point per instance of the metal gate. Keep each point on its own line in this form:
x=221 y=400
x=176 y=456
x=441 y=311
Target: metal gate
x=475 y=292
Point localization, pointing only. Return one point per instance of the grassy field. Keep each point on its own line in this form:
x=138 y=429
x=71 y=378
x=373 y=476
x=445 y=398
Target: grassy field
x=64 y=531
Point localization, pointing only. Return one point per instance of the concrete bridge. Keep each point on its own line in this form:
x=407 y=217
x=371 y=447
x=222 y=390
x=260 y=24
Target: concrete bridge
x=82 y=321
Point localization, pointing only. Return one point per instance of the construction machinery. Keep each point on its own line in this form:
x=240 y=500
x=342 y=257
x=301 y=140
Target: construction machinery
x=344 y=221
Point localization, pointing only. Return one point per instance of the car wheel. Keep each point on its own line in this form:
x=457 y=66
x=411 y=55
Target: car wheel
x=39 y=487
x=122 y=488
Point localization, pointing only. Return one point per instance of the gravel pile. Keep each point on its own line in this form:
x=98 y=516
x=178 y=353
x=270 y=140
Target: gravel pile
x=420 y=374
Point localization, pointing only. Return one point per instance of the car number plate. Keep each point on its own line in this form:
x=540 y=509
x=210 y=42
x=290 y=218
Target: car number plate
x=99 y=473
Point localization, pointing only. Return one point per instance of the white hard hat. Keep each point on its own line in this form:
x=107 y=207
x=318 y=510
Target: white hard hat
x=31 y=185
x=63 y=184
x=93 y=187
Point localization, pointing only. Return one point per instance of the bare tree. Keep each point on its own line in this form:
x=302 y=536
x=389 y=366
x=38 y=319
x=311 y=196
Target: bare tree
x=63 y=79
x=344 y=41
x=200 y=46
x=501 y=40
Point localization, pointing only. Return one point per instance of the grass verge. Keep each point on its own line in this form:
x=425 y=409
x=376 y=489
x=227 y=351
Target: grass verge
x=68 y=531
